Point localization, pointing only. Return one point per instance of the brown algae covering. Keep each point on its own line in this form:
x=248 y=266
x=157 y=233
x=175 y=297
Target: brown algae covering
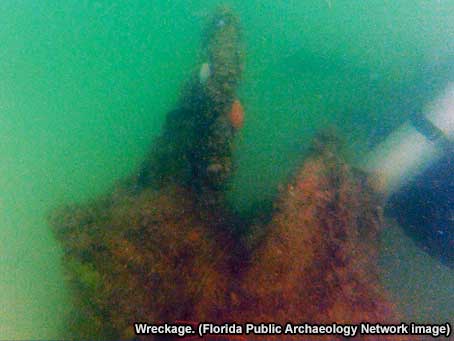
x=146 y=257
x=165 y=247
x=316 y=261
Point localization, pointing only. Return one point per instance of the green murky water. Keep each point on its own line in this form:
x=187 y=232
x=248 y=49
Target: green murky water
x=85 y=86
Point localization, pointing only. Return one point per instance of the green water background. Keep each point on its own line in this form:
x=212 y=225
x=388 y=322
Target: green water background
x=85 y=85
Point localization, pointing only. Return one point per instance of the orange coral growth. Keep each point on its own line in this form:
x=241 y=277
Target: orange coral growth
x=236 y=115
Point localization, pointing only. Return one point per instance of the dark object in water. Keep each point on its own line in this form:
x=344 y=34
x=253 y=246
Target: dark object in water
x=196 y=145
x=425 y=209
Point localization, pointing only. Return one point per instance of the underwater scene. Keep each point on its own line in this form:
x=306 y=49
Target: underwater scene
x=226 y=170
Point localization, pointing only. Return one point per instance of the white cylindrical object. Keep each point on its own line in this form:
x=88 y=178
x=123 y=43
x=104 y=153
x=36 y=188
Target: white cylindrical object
x=407 y=152
x=441 y=112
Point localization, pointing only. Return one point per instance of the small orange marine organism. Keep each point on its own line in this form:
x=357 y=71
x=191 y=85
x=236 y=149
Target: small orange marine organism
x=236 y=114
